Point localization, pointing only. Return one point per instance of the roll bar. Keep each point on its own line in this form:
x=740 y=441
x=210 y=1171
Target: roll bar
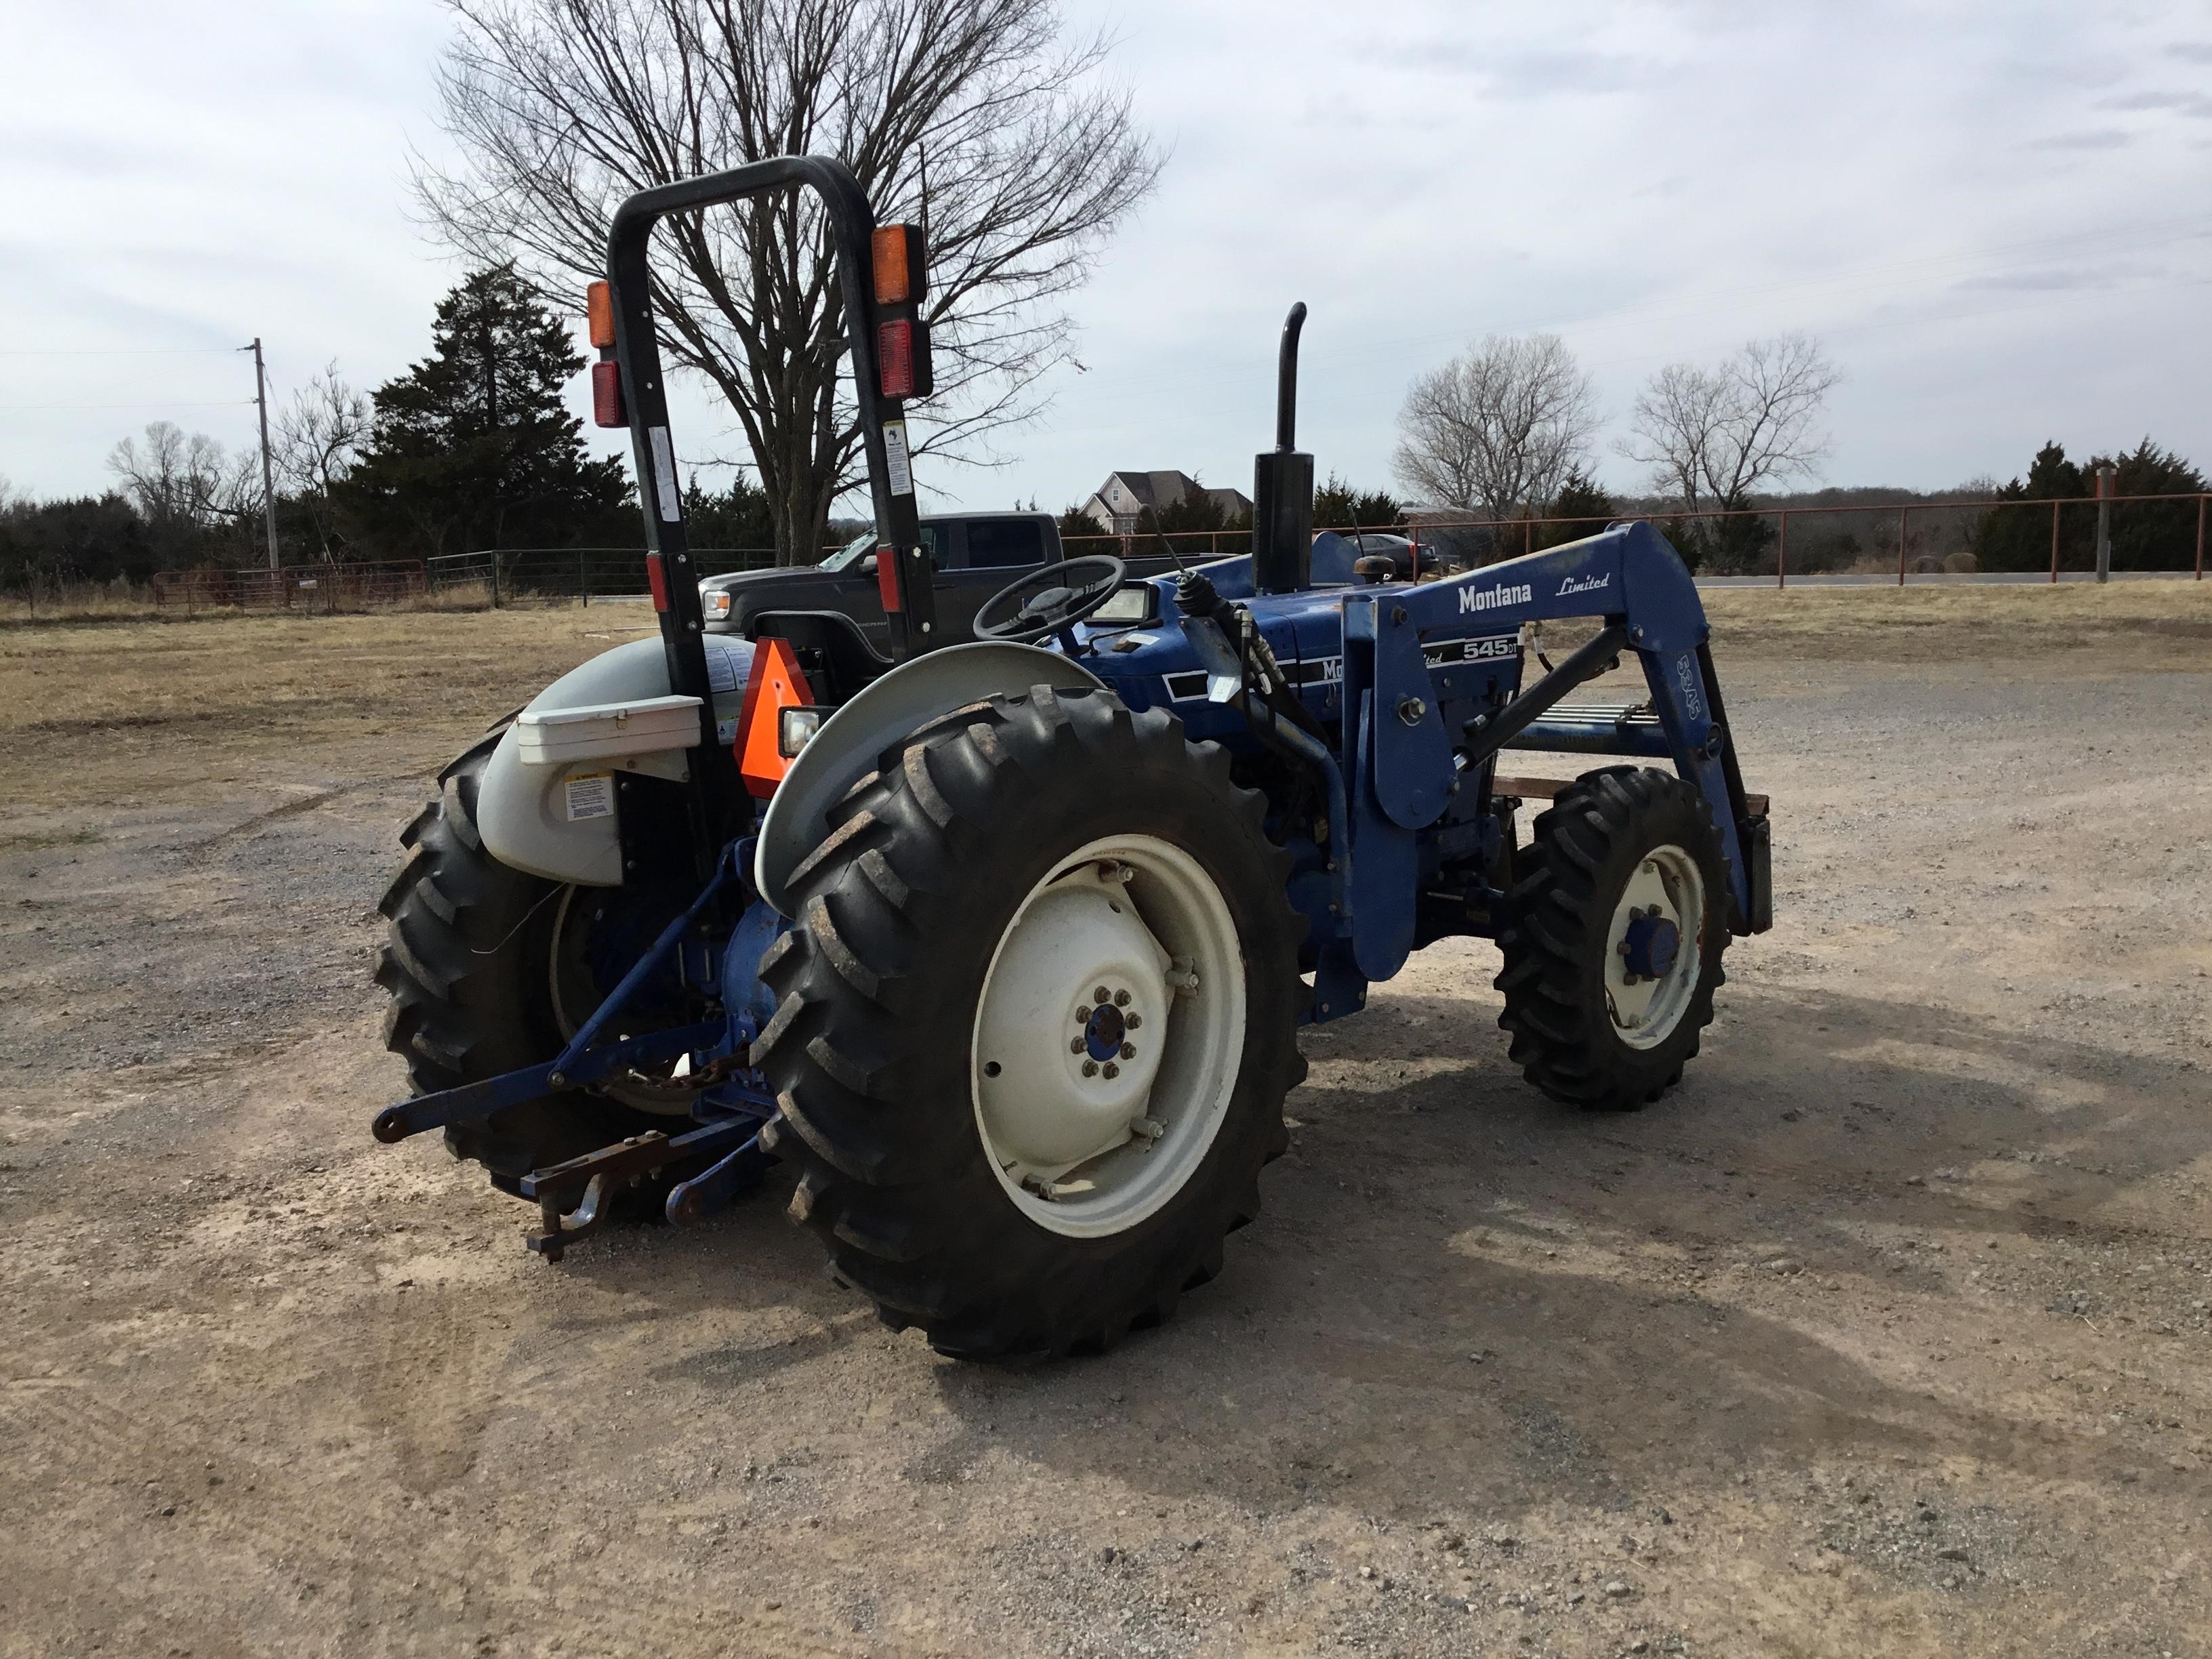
x=718 y=797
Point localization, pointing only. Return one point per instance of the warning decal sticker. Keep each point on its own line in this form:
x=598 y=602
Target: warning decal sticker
x=901 y=473
x=664 y=475
x=591 y=795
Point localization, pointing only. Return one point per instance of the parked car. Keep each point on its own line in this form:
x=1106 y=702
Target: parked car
x=1399 y=549
x=975 y=555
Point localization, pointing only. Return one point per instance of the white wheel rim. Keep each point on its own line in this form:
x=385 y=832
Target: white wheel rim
x=1665 y=891
x=1090 y=1152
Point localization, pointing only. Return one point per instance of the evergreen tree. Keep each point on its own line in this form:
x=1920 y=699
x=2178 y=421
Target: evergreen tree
x=1076 y=522
x=1583 y=503
x=2146 y=535
x=2153 y=535
x=1338 y=505
x=2016 y=538
x=737 y=519
x=473 y=447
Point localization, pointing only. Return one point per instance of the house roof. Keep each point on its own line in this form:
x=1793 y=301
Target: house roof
x=1165 y=487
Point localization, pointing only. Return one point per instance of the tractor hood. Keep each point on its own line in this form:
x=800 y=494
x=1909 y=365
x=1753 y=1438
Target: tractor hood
x=786 y=587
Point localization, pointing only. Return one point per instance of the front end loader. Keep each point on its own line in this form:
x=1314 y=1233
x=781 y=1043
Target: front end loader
x=1004 y=945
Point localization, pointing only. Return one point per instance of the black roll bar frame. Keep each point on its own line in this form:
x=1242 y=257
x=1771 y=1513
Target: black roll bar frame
x=718 y=797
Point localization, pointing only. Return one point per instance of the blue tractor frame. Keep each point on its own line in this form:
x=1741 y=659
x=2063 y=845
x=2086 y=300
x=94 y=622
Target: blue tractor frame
x=1387 y=703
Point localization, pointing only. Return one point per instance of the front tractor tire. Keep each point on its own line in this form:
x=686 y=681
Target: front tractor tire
x=1036 y=1025
x=1612 y=938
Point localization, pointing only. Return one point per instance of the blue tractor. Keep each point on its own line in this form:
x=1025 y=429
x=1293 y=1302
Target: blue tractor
x=1005 y=945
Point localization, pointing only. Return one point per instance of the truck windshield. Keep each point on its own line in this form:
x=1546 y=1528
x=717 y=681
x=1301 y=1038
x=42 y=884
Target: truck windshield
x=850 y=552
x=934 y=538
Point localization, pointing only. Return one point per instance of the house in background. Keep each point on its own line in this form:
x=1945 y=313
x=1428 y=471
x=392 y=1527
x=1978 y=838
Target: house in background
x=1118 y=504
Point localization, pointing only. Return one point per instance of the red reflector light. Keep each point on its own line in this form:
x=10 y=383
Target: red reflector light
x=606 y=395
x=887 y=578
x=895 y=357
x=657 y=579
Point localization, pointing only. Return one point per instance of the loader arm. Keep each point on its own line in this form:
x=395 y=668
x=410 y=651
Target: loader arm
x=1402 y=759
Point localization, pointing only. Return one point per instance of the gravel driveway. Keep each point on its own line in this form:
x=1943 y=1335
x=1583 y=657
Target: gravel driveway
x=1886 y=1333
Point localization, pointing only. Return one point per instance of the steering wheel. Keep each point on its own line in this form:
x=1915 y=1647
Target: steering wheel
x=1050 y=599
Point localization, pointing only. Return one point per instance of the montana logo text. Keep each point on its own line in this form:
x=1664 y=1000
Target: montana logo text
x=1489 y=599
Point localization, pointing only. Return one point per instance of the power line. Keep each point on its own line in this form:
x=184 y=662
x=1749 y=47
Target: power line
x=118 y=351
x=142 y=403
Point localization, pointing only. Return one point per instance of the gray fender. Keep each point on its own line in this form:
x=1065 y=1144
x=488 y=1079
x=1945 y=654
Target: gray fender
x=521 y=811
x=845 y=750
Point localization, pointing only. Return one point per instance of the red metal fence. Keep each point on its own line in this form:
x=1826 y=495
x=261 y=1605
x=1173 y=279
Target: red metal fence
x=322 y=587
x=1986 y=537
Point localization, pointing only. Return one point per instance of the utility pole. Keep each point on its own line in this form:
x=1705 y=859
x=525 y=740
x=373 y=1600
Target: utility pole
x=268 y=473
x=2105 y=474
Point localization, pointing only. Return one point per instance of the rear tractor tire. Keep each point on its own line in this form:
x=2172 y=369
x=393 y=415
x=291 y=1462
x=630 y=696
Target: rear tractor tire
x=472 y=964
x=1036 y=1025
x=1612 y=938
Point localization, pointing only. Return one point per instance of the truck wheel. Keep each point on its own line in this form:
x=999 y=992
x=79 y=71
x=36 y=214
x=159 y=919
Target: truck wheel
x=1035 y=1026
x=1612 y=939
x=475 y=960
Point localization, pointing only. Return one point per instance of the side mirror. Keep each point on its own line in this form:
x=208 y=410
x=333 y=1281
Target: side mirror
x=868 y=565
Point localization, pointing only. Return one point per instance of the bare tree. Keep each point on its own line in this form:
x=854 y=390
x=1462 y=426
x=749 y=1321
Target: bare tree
x=1712 y=436
x=318 y=439
x=560 y=108
x=185 y=485
x=175 y=480
x=1498 y=429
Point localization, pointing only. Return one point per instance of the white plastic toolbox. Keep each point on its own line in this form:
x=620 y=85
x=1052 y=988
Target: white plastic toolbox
x=607 y=730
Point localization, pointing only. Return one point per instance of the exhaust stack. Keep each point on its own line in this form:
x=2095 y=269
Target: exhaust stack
x=1283 y=484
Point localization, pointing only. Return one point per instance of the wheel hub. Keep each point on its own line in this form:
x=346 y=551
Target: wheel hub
x=1652 y=955
x=1650 y=945
x=1104 y=1029
x=1108 y=1035
x=1081 y=962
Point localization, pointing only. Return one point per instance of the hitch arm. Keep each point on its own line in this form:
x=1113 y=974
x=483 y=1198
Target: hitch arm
x=472 y=1103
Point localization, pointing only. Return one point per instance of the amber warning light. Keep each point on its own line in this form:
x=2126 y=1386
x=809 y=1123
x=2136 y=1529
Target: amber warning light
x=606 y=375
x=902 y=278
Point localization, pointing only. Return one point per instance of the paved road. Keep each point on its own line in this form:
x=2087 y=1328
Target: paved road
x=1977 y=578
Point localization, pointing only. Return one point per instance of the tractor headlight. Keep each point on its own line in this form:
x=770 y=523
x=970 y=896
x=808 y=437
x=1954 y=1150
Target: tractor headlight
x=1129 y=606
x=795 y=729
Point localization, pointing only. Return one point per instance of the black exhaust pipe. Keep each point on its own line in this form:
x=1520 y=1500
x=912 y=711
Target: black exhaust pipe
x=1283 y=484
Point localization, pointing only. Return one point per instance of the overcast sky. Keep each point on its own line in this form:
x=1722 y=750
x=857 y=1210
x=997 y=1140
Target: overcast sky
x=1995 y=215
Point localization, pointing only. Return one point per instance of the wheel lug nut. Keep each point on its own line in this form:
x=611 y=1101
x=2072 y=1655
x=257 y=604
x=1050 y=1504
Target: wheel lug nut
x=1076 y=1047
x=1128 y=1051
x=1091 y=1068
x=1098 y=995
x=1135 y=1021
x=1083 y=1015
x=1120 y=999
x=1112 y=1069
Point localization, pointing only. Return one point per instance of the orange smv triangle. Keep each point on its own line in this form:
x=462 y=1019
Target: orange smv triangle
x=776 y=685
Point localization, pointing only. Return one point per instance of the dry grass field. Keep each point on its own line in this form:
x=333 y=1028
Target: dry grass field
x=1886 y=1333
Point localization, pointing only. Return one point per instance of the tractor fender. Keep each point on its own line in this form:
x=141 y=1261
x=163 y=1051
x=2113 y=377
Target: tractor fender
x=846 y=749
x=521 y=811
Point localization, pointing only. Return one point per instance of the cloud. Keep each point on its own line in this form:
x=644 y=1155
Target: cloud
x=2098 y=139
x=1656 y=180
x=2194 y=104
x=2048 y=281
x=1521 y=73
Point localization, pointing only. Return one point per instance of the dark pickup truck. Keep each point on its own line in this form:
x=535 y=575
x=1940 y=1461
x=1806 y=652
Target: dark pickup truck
x=975 y=555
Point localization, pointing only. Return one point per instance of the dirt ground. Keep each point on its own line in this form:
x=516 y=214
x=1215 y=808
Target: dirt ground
x=1886 y=1333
